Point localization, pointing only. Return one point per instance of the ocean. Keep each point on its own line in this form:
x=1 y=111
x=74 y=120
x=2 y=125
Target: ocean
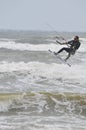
x=37 y=90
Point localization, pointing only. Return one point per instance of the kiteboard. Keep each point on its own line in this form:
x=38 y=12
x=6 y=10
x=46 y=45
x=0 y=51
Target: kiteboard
x=57 y=56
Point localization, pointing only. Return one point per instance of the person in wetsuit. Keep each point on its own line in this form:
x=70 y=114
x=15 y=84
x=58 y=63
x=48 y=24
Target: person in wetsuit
x=73 y=45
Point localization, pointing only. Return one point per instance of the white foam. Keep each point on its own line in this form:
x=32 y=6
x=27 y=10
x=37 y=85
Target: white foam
x=27 y=46
x=47 y=70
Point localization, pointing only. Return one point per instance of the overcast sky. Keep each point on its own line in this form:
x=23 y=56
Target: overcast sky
x=62 y=15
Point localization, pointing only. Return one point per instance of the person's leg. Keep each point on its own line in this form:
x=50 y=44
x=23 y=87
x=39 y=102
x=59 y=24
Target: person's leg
x=68 y=56
x=63 y=49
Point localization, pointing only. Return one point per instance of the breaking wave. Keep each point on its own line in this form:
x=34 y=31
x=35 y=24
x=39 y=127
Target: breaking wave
x=9 y=44
x=44 y=103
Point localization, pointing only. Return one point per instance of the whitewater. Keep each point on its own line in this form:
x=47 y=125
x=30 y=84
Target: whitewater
x=37 y=90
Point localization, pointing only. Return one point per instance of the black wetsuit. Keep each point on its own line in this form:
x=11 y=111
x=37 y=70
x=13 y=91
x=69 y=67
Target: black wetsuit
x=73 y=46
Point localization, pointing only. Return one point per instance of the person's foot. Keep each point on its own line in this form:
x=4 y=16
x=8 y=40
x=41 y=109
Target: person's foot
x=55 y=53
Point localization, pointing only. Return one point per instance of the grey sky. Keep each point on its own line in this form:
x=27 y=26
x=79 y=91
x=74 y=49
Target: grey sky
x=63 y=15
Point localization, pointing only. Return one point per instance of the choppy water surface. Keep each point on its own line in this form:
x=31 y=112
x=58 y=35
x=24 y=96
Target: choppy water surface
x=37 y=90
